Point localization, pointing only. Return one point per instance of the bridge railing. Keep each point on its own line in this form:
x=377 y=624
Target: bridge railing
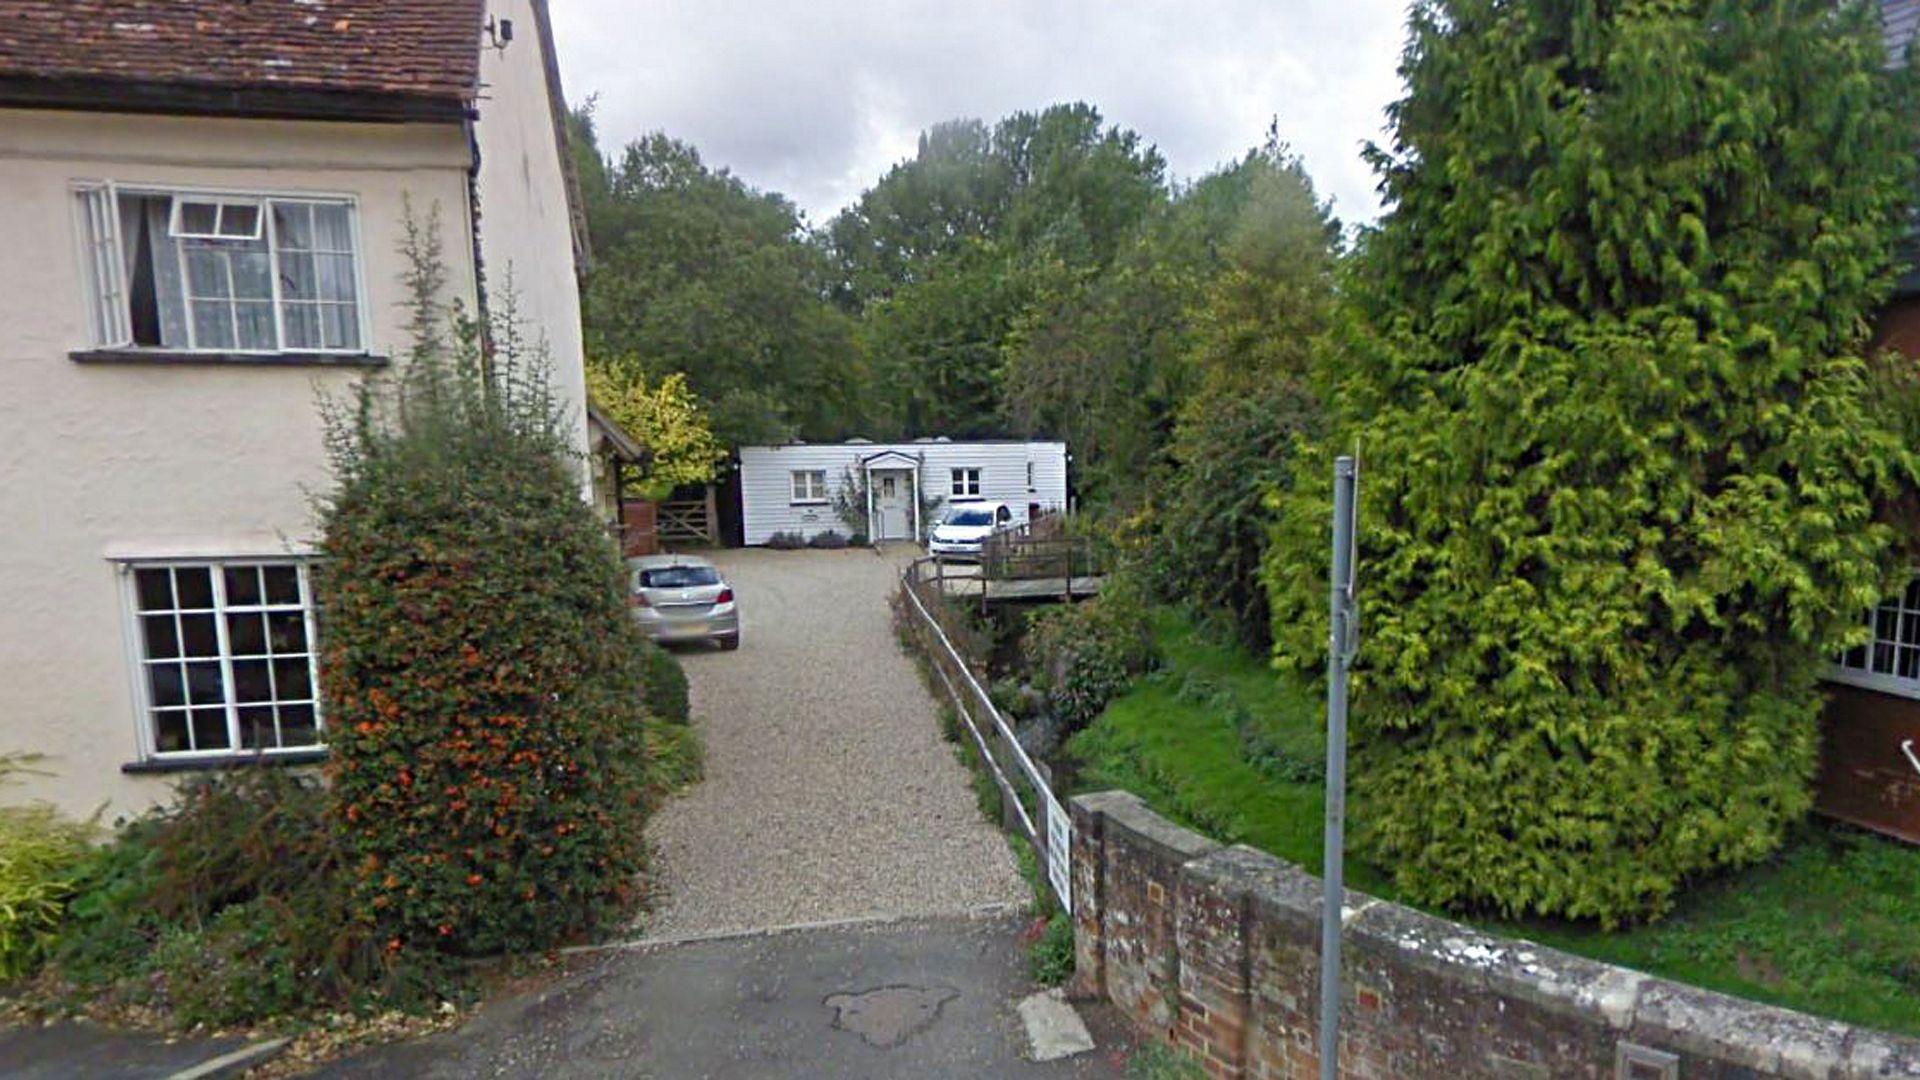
x=1025 y=786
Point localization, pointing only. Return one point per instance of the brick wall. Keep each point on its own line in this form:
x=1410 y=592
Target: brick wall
x=1216 y=949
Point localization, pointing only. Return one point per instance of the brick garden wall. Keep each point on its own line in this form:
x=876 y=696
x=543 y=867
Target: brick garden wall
x=1217 y=950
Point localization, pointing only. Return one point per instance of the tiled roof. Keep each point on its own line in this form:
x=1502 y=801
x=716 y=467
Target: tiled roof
x=1902 y=20
x=412 y=49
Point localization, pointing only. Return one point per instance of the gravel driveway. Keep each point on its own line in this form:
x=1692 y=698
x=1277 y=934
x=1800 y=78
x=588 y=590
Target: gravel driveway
x=829 y=793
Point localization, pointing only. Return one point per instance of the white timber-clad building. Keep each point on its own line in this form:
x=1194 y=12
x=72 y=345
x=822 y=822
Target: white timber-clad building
x=792 y=488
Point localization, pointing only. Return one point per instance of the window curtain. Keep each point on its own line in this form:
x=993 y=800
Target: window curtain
x=143 y=236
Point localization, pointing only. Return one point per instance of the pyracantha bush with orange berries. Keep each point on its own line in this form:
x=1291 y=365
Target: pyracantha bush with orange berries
x=483 y=681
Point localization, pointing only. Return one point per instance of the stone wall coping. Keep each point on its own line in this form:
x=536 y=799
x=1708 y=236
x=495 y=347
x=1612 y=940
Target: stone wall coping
x=1644 y=1008
x=1144 y=827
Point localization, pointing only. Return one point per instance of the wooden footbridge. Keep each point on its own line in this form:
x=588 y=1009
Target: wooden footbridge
x=1040 y=561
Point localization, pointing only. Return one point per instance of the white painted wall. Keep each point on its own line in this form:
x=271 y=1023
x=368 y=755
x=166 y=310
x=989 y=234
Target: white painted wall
x=108 y=460
x=766 y=502
x=526 y=231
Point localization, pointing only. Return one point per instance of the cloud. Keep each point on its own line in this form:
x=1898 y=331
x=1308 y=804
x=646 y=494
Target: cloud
x=817 y=100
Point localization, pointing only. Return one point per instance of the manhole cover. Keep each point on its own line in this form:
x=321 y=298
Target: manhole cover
x=889 y=1015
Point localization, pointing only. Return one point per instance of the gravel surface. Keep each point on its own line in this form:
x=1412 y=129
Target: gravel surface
x=829 y=793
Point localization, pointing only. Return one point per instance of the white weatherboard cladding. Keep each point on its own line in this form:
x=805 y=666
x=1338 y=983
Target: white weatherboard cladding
x=766 y=490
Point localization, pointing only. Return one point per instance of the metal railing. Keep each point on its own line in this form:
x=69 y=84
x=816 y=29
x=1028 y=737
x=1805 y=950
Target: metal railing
x=1042 y=548
x=1006 y=760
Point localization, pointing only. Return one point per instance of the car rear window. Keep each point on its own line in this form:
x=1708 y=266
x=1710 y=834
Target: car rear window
x=678 y=577
x=970 y=517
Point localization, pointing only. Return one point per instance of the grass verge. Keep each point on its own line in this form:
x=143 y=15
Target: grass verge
x=1219 y=742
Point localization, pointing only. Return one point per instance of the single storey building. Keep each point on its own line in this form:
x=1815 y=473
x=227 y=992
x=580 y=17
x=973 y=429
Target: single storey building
x=793 y=489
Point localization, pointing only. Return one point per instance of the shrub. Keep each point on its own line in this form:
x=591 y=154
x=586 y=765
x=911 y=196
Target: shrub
x=666 y=684
x=41 y=855
x=1050 y=956
x=786 y=541
x=830 y=540
x=1628 y=481
x=231 y=905
x=674 y=758
x=484 y=684
x=1084 y=655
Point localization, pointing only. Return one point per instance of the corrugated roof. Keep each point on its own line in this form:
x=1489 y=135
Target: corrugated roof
x=415 y=49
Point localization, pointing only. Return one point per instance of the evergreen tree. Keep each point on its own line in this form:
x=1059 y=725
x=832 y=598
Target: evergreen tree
x=1626 y=473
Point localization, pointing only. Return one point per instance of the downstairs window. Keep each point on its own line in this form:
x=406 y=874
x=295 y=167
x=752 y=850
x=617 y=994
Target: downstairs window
x=226 y=657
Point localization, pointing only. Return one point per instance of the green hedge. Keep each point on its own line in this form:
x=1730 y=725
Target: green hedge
x=1627 y=481
x=666 y=684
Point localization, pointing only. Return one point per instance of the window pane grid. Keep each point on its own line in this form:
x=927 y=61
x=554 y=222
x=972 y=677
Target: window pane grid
x=809 y=485
x=228 y=655
x=1893 y=651
x=253 y=274
x=966 y=481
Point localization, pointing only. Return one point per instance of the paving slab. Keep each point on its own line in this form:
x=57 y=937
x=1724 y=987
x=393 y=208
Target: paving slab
x=926 y=998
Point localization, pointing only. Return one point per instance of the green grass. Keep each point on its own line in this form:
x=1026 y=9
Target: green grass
x=1216 y=740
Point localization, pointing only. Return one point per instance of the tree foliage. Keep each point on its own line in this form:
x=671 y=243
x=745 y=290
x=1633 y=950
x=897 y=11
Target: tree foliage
x=949 y=253
x=1254 y=326
x=698 y=274
x=1626 y=474
x=667 y=418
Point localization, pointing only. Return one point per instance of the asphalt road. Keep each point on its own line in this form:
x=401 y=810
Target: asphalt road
x=924 y=998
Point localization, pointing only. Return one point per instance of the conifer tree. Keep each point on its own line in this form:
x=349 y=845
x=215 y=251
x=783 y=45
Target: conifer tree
x=1627 y=466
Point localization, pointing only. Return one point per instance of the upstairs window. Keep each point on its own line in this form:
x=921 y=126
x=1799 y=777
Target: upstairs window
x=203 y=273
x=966 y=482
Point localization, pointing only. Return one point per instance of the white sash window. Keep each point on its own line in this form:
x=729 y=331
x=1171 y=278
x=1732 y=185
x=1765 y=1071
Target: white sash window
x=183 y=271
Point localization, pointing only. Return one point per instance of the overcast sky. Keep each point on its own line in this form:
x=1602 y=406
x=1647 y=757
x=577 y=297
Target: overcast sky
x=816 y=99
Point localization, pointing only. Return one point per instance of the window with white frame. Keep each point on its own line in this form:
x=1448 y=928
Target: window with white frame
x=809 y=485
x=220 y=273
x=1890 y=660
x=226 y=657
x=966 y=481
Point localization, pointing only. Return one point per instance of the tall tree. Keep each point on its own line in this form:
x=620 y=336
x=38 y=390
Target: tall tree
x=697 y=273
x=944 y=255
x=1626 y=472
x=1254 y=328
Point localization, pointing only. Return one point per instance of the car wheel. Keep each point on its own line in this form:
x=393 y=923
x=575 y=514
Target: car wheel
x=729 y=644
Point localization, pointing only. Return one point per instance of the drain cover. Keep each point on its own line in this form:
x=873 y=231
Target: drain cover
x=888 y=1016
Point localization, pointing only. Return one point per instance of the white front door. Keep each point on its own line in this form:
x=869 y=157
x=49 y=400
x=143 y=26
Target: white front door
x=893 y=504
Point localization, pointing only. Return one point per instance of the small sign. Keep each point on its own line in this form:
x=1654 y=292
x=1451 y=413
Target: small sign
x=1059 y=851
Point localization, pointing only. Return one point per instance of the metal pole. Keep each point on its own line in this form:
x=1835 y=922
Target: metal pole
x=1340 y=644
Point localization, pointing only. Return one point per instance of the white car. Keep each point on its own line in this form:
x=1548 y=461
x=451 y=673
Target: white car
x=966 y=525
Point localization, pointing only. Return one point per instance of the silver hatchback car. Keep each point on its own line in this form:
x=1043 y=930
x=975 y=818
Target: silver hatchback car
x=683 y=598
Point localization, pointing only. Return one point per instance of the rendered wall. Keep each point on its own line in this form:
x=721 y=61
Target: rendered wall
x=1216 y=949
x=526 y=223
x=98 y=461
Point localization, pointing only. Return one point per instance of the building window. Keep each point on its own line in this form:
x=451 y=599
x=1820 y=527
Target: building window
x=204 y=273
x=809 y=485
x=1890 y=661
x=226 y=657
x=1029 y=476
x=966 y=481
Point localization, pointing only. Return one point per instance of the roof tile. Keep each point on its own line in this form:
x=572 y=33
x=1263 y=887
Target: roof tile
x=411 y=48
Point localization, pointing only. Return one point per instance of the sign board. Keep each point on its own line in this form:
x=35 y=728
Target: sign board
x=1059 y=850
x=1870 y=761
